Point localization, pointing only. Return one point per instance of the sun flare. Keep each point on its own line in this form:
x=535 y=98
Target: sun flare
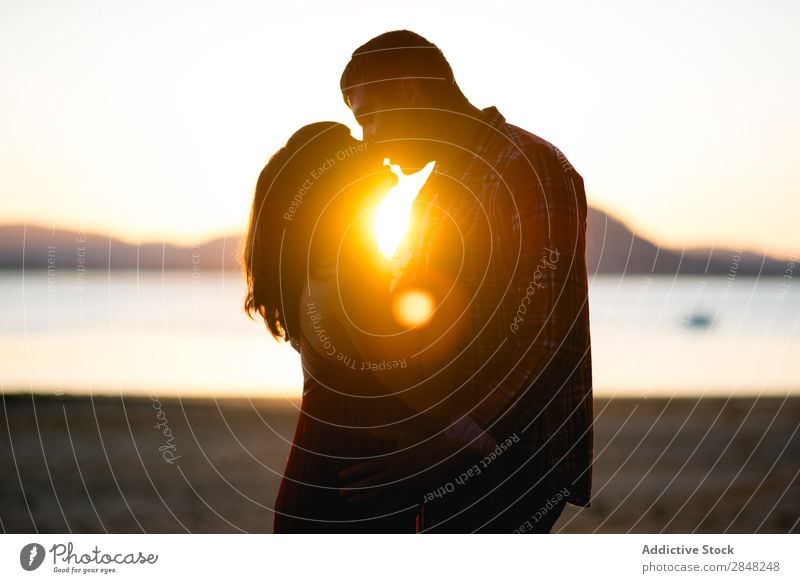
x=413 y=307
x=393 y=214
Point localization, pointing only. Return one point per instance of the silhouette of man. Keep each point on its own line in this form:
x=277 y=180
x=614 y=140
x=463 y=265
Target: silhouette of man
x=501 y=243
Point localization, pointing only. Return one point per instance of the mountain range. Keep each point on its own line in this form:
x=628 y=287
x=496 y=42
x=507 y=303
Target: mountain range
x=611 y=247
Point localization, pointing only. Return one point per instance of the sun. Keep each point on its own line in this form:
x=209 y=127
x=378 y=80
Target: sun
x=393 y=215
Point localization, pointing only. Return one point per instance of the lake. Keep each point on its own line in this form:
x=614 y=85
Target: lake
x=185 y=333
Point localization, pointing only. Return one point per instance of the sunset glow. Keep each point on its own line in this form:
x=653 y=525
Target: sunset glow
x=159 y=136
x=393 y=216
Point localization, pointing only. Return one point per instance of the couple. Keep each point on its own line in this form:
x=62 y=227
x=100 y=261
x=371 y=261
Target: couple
x=447 y=388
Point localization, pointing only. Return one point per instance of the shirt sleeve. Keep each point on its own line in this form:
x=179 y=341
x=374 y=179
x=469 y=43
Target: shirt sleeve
x=469 y=435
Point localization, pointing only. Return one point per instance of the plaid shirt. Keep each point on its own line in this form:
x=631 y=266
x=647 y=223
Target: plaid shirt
x=507 y=227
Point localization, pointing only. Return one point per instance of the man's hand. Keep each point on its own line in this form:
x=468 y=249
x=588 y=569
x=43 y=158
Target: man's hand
x=417 y=464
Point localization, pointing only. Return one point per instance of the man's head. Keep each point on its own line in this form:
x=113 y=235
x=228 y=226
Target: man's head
x=397 y=85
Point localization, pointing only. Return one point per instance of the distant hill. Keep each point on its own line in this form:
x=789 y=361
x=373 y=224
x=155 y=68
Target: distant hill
x=611 y=248
x=40 y=246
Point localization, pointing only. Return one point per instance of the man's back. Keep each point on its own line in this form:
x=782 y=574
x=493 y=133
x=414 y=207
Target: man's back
x=506 y=225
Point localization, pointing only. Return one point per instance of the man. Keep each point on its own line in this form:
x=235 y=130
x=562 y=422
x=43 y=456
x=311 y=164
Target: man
x=500 y=245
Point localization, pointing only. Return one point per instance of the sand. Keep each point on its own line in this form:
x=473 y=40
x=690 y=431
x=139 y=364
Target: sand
x=88 y=465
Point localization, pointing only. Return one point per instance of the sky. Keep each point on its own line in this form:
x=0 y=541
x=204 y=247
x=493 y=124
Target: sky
x=150 y=121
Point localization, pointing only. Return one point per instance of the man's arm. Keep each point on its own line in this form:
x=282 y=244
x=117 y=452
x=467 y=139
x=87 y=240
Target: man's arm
x=535 y=301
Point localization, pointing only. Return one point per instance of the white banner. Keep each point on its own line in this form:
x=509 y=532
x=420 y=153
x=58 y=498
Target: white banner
x=388 y=558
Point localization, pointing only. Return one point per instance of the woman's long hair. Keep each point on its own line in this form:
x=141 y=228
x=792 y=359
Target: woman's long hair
x=287 y=195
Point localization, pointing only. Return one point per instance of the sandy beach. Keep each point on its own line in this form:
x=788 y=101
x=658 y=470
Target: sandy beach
x=81 y=464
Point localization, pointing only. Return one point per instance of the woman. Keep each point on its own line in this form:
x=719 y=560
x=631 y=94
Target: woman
x=314 y=274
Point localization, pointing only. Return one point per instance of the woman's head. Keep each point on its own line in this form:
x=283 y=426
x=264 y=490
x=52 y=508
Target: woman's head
x=282 y=218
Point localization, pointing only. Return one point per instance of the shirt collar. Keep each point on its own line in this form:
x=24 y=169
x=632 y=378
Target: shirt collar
x=493 y=117
x=491 y=132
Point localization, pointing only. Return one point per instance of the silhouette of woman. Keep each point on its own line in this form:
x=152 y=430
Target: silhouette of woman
x=309 y=225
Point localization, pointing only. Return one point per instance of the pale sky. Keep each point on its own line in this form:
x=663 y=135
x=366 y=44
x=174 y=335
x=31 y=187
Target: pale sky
x=151 y=120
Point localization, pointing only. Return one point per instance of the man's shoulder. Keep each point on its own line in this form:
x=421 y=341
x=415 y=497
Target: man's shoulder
x=515 y=144
x=527 y=146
